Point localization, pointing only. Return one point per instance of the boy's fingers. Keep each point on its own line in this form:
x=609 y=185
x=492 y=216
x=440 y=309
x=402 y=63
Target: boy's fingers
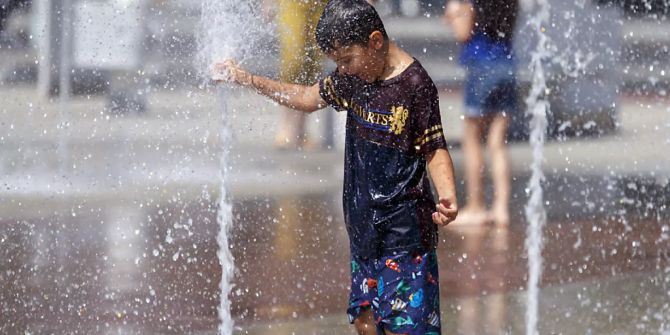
x=436 y=219
x=447 y=207
x=440 y=219
x=222 y=72
x=450 y=210
x=444 y=209
x=446 y=201
x=231 y=63
x=444 y=214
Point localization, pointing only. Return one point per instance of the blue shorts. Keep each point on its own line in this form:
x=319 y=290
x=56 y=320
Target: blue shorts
x=489 y=88
x=402 y=290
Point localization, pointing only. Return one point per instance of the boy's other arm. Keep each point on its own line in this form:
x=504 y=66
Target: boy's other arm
x=298 y=97
x=441 y=170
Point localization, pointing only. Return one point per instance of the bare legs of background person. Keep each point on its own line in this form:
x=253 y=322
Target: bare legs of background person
x=494 y=130
x=500 y=170
x=291 y=131
x=299 y=63
x=474 y=211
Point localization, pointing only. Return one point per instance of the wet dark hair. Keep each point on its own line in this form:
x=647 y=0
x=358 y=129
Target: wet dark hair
x=496 y=18
x=347 y=22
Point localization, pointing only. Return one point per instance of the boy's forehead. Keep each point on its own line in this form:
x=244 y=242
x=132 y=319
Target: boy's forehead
x=340 y=51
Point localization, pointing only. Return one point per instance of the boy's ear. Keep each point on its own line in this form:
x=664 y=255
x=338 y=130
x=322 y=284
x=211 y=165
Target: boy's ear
x=376 y=40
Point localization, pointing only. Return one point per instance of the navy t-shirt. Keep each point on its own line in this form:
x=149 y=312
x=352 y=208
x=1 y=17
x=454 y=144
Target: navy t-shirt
x=391 y=126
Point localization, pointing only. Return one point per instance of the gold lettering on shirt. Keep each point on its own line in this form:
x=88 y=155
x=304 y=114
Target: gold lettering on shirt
x=385 y=120
x=398 y=119
x=330 y=90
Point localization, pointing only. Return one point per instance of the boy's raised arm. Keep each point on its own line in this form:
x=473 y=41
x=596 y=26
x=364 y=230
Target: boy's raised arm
x=299 y=97
x=441 y=170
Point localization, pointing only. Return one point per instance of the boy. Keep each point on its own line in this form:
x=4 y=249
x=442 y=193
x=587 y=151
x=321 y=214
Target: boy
x=393 y=133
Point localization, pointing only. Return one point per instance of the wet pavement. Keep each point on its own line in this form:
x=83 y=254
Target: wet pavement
x=151 y=268
x=127 y=244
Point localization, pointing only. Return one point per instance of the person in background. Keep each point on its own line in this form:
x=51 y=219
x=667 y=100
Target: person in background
x=299 y=63
x=485 y=27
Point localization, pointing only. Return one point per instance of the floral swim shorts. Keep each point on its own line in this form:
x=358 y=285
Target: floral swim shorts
x=402 y=290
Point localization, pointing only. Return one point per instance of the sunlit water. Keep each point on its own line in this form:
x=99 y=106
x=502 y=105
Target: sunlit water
x=538 y=107
x=224 y=219
x=228 y=29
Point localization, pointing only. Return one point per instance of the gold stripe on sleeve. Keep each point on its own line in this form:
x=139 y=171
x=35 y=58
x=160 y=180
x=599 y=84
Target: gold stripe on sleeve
x=428 y=139
x=427 y=132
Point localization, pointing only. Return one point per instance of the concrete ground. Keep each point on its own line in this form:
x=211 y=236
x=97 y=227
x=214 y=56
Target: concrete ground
x=107 y=223
x=566 y=309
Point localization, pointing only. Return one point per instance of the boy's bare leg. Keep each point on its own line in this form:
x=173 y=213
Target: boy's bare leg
x=500 y=170
x=474 y=210
x=365 y=323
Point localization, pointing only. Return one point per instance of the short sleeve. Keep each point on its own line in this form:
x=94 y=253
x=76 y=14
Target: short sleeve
x=336 y=91
x=428 y=132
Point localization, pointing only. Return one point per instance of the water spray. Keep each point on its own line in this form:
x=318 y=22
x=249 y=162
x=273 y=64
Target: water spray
x=538 y=107
x=228 y=29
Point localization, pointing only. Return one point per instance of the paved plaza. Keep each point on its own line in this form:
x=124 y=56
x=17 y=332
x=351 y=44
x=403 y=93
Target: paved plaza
x=108 y=220
x=149 y=183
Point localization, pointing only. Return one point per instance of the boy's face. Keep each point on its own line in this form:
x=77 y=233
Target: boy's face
x=365 y=61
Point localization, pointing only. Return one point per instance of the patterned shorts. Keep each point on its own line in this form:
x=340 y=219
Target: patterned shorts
x=402 y=290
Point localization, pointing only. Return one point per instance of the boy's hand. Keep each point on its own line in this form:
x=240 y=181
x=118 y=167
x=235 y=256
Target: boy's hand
x=447 y=210
x=229 y=71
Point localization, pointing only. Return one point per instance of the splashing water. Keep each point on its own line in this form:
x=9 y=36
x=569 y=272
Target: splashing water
x=224 y=219
x=227 y=30
x=64 y=87
x=538 y=107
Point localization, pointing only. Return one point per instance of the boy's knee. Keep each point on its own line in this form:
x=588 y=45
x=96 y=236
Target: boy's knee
x=497 y=140
x=365 y=324
x=496 y=145
x=365 y=328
